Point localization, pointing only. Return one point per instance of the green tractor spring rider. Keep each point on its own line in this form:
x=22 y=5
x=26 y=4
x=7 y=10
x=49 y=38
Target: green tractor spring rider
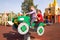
x=22 y=24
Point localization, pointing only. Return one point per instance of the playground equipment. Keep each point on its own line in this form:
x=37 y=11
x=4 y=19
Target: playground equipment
x=22 y=24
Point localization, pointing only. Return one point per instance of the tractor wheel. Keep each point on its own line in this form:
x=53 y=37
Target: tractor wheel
x=40 y=30
x=23 y=28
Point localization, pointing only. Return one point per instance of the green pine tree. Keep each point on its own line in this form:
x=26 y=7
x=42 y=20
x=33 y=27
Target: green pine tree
x=26 y=5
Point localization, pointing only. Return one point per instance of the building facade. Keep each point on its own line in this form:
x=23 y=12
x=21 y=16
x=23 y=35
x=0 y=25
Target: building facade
x=52 y=12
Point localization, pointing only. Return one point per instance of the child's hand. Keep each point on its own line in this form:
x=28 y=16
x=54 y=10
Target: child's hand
x=27 y=13
x=39 y=18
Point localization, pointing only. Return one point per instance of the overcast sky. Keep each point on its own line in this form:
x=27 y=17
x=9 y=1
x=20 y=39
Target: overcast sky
x=15 y=5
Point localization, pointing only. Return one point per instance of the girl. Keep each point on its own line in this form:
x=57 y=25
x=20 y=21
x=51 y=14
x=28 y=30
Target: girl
x=32 y=14
x=39 y=16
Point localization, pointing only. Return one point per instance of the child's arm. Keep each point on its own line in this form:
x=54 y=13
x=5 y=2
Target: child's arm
x=31 y=12
x=38 y=18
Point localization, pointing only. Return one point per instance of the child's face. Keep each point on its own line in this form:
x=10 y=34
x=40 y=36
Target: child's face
x=38 y=12
x=32 y=8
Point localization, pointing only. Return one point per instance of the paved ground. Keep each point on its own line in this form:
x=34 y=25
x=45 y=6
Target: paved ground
x=52 y=32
